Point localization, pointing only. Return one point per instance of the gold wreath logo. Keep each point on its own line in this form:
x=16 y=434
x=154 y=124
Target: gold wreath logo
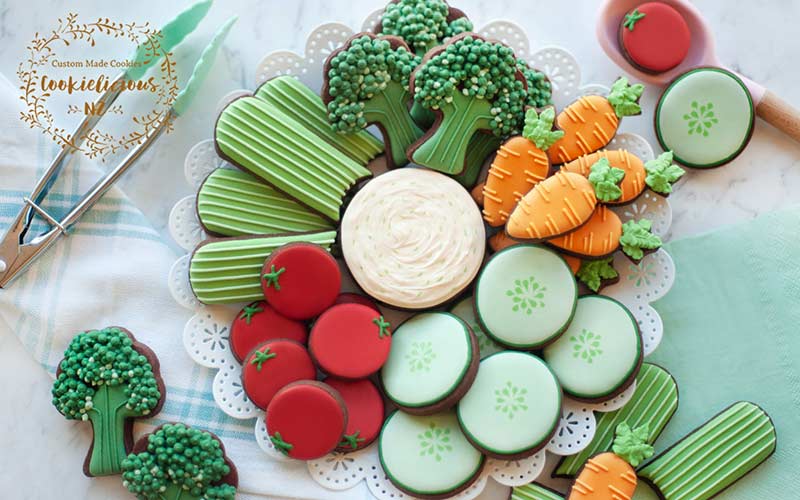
x=96 y=143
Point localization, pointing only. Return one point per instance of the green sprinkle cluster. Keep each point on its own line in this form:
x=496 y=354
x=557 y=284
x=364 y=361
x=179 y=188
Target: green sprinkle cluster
x=359 y=73
x=540 y=91
x=179 y=458
x=479 y=69
x=422 y=23
x=102 y=357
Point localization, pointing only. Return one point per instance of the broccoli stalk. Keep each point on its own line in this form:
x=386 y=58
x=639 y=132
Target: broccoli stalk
x=366 y=82
x=177 y=462
x=473 y=85
x=423 y=24
x=107 y=378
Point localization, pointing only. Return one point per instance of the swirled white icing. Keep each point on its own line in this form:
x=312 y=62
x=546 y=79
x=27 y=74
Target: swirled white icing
x=413 y=238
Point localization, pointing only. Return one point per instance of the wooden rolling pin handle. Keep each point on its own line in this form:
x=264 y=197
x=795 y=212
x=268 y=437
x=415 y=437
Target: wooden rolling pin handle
x=780 y=114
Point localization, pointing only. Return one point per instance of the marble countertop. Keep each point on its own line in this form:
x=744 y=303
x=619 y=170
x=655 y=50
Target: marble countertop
x=42 y=452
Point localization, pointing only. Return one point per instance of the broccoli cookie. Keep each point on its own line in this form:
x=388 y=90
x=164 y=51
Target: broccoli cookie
x=108 y=378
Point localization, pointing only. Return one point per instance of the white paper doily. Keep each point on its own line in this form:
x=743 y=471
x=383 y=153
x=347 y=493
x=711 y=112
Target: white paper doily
x=206 y=333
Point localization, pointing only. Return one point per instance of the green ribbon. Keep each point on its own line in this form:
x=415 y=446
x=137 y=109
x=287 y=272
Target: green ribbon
x=272 y=276
x=383 y=326
x=279 y=444
x=249 y=311
x=260 y=356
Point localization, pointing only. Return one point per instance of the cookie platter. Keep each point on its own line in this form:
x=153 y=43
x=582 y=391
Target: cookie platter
x=207 y=333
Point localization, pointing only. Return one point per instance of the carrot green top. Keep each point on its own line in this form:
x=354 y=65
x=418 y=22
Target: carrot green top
x=625 y=98
x=539 y=127
x=631 y=444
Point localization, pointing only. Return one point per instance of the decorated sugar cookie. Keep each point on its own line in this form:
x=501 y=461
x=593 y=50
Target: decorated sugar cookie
x=229 y=271
x=592 y=121
x=705 y=117
x=257 y=322
x=258 y=137
x=428 y=456
x=500 y=241
x=350 y=341
x=654 y=37
x=525 y=296
x=235 y=203
x=433 y=362
x=726 y=448
x=306 y=420
x=413 y=238
x=300 y=280
x=520 y=164
x=364 y=412
x=555 y=206
x=652 y=404
x=423 y=24
x=273 y=365
x=612 y=476
x=356 y=298
x=513 y=407
x=632 y=183
x=107 y=378
x=597 y=238
x=598 y=273
x=600 y=354
x=366 y=81
x=466 y=311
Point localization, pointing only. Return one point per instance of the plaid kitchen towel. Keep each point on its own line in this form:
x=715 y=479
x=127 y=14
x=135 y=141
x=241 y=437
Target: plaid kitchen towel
x=112 y=270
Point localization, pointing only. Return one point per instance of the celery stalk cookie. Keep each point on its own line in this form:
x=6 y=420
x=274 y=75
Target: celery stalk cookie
x=600 y=354
x=433 y=362
x=413 y=239
x=525 y=296
x=513 y=407
x=428 y=456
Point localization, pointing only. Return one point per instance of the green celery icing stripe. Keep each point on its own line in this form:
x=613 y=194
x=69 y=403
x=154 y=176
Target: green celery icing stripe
x=263 y=140
x=300 y=103
x=534 y=491
x=228 y=271
x=714 y=456
x=653 y=403
x=235 y=203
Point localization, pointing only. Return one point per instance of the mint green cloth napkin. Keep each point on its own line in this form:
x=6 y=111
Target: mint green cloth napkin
x=732 y=332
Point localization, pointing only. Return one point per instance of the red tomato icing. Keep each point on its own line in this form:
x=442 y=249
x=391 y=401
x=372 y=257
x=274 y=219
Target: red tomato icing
x=257 y=323
x=281 y=363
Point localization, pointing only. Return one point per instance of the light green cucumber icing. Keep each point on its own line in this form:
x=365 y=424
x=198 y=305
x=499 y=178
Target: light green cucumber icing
x=235 y=203
x=427 y=455
x=534 y=491
x=465 y=310
x=431 y=353
x=525 y=296
x=705 y=117
x=300 y=103
x=513 y=406
x=714 y=456
x=263 y=140
x=653 y=403
x=600 y=351
x=228 y=271
x=479 y=149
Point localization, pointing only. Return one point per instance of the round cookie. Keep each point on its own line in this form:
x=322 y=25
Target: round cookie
x=306 y=420
x=350 y=341
x=600 y=354
x=273 y=365
x=654 y=37
x=525 y=296
x=300 y=280
x=513 y=407
x=364 y=412
x=465 y=310
x=413 y=238
x=433 y=361
x=356 y=298
x=705 y=116
x=257 y=323
x=428 y=457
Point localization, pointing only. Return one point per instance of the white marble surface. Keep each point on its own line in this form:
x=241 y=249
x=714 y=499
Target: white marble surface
x=42 y=453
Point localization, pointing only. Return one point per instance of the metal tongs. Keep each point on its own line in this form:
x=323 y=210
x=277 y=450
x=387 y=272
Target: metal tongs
x=15 y=253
